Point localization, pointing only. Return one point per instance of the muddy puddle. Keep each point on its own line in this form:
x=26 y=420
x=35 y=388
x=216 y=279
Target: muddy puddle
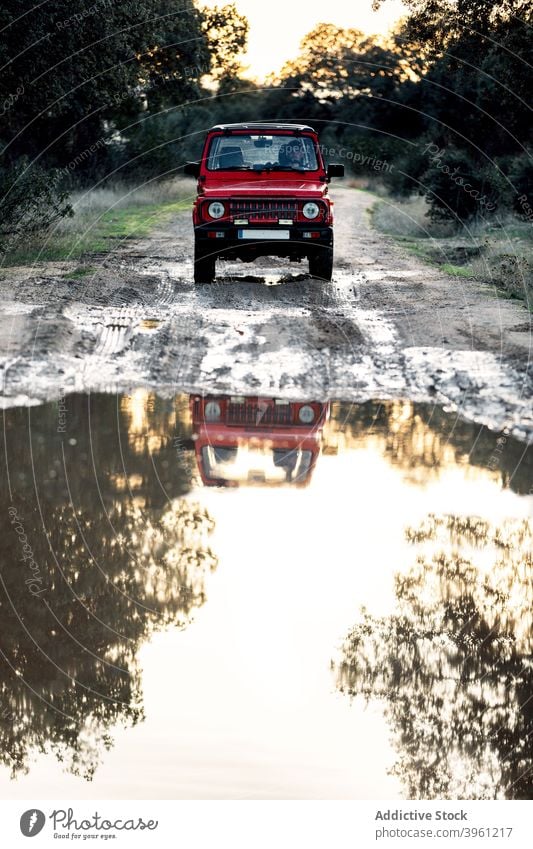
x=235 y=597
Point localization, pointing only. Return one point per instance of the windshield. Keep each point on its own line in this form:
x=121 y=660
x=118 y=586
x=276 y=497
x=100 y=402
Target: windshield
x=256 y=465
x=247 y=152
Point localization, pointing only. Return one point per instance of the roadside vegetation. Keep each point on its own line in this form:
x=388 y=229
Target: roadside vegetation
x=102 y=220
x=80 y=89
x=498 y=252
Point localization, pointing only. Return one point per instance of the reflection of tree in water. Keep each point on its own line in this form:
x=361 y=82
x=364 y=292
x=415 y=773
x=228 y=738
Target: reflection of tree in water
x=114 y=568
x=454 y=664
x=423 y=440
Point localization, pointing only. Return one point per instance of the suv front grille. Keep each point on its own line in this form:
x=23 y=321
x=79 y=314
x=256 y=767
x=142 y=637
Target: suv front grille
x=263 y=210
x=253 y=414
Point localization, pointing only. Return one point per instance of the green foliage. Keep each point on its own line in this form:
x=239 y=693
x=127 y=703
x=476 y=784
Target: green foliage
x=324 y=62
x=84 y=68
x=114 y=215
x=402 y=180
x=226 y=31
x=75 y=75
x=154 y=146
x=30 y=202
x=475 y=91
x=455 y=186
x=455 y=76
x=521 y=176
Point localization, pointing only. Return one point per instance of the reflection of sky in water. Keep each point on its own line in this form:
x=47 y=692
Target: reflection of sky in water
x=243 y=701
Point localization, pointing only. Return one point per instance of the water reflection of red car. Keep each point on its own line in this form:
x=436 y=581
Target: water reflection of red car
x=263 y=441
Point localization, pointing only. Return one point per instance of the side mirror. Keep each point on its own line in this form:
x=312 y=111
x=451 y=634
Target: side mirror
x=335 y=170
x=192 y=169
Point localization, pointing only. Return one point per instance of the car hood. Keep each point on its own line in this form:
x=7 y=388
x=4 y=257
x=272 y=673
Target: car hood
x=269 y=188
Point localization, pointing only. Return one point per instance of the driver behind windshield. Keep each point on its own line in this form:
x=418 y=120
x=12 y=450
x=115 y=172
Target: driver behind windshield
x=292 y=154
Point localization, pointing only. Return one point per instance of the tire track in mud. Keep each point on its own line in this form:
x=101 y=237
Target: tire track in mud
x=381 y=329
x=300 y=338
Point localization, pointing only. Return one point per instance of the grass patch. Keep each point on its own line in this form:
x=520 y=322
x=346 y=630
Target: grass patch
x=417 y=249
x=457 y=270
x=104 y=219
x=83 y=271
x=497 y=251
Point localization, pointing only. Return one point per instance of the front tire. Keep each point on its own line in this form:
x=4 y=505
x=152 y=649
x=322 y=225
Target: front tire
x=204 y=266
x=321 y=264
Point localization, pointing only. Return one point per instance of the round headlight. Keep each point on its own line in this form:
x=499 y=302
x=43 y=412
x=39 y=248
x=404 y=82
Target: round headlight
x=216 y=209
x=212 y=411
x=311 y=210
x=306 y=414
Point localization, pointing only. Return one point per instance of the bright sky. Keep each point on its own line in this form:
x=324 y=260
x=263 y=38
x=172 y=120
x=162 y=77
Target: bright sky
x=278 y=26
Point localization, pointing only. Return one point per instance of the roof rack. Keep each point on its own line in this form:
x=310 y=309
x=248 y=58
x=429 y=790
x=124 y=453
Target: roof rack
x=260 y=125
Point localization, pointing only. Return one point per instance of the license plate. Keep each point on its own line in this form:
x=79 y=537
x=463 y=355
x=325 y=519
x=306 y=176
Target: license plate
x=264 y=234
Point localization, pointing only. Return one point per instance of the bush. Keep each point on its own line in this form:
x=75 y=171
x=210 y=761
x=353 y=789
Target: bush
x=521 y=176
x=457 y=187
x=30 y=202
x=370 y=154
x=407 y=169
x=159 y=145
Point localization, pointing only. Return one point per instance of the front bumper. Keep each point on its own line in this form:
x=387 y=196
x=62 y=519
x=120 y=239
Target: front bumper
x=304 y=240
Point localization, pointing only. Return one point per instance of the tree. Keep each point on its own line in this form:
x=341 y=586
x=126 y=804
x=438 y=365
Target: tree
x=32 y=202
x=421 y=440
x=453 y=663
x=112 y=560
x=356 y=86
x=323 y=64
x=82 y=67
x=226 y=31
x=478 y=75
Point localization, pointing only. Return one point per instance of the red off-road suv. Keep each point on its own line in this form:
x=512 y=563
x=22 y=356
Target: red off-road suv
x=262 y=191
x=245 y=441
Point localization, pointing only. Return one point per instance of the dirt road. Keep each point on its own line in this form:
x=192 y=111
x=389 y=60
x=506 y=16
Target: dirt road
x=388 y=326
